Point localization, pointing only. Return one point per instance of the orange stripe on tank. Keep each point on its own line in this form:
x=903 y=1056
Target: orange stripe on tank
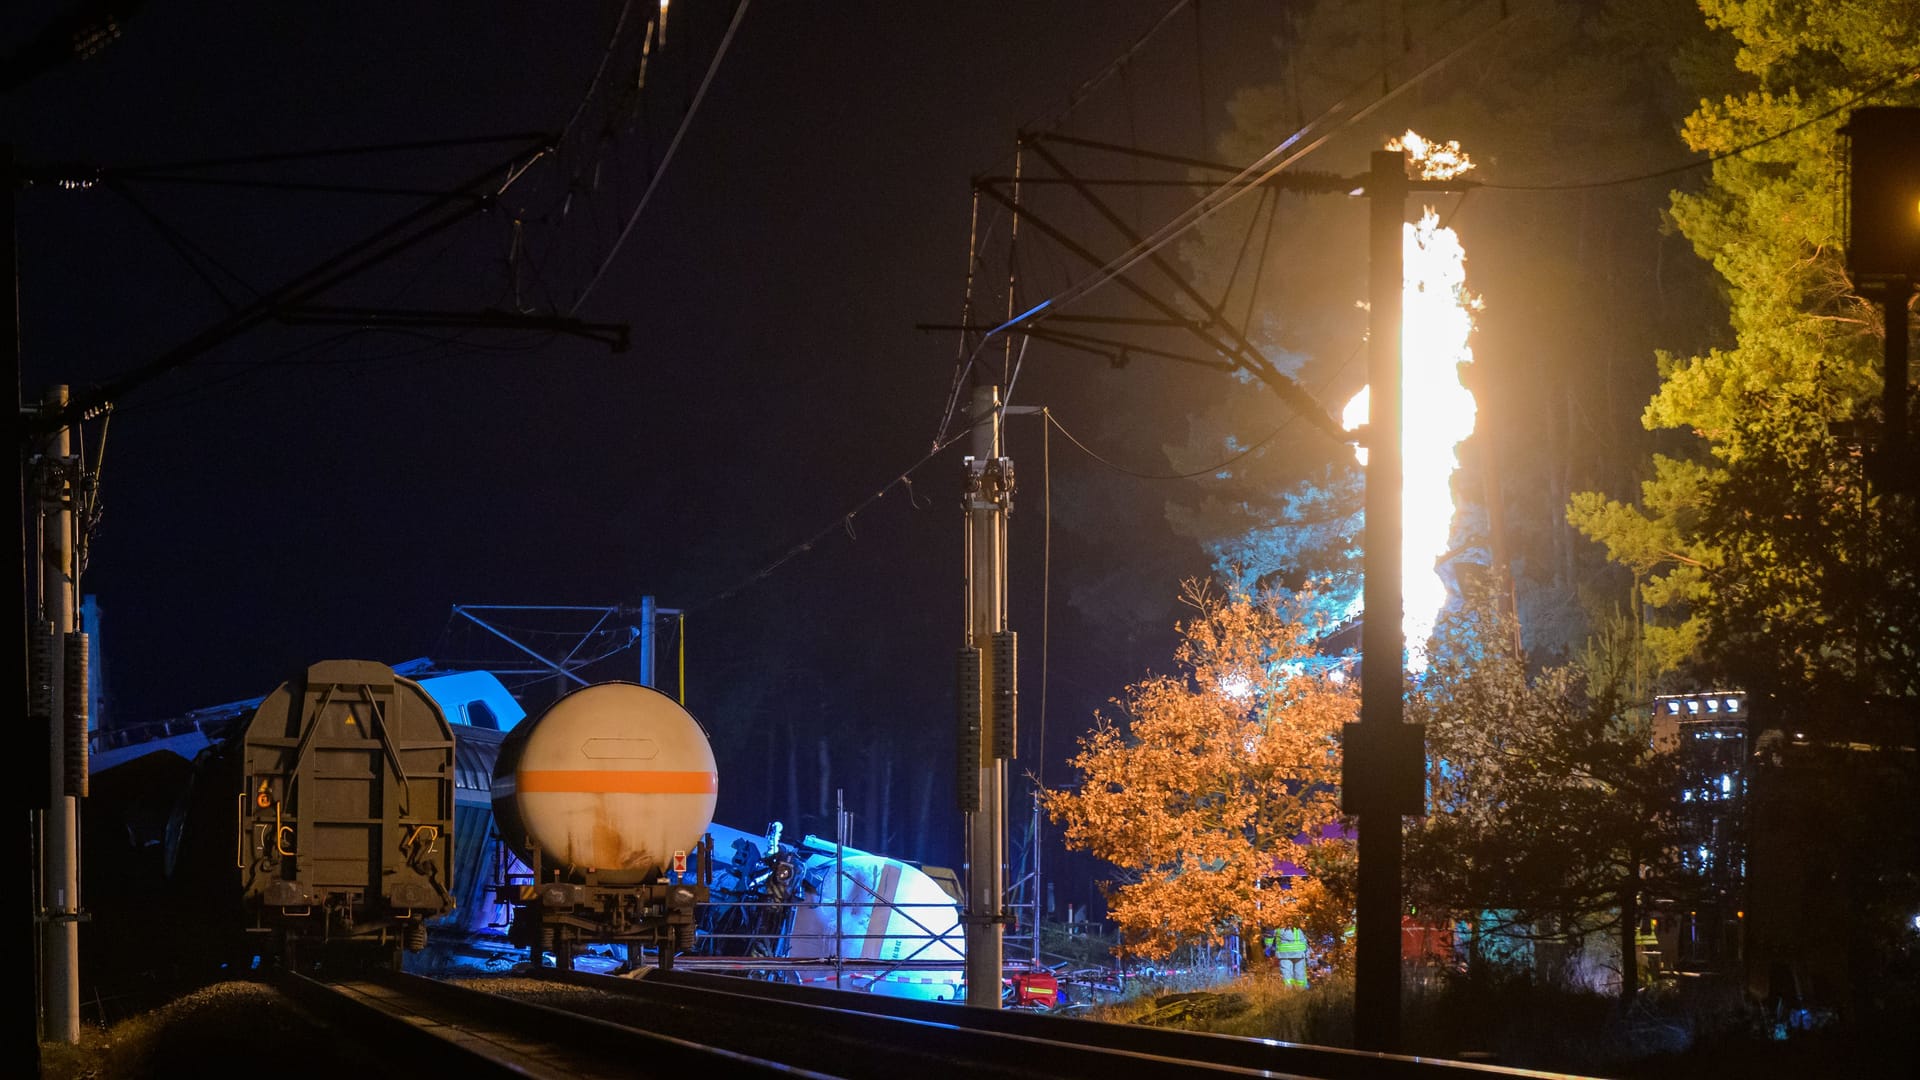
x=617 y=781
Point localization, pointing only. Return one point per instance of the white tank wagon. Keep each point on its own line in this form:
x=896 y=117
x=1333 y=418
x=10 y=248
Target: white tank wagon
x=883 y=911
x=824 y=913
x=603 y=796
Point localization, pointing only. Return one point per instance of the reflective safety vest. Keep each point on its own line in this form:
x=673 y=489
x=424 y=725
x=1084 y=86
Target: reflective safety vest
x=1289 y=943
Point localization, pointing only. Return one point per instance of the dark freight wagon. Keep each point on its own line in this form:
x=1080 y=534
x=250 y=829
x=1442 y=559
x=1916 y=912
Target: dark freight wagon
x=344 y=833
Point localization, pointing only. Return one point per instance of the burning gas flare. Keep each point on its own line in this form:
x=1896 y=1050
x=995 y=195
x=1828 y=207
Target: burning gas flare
x=1435 y=160
x=1438 y=411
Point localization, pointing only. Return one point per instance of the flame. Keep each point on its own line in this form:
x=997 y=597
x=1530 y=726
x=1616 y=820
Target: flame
x=1435 y=160
x=1438 y=411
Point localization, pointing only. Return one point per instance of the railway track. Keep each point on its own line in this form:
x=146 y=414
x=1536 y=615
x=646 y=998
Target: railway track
x=1261 y=1055
x=411 y=1026
x=866 y=1035
x=574 y=1025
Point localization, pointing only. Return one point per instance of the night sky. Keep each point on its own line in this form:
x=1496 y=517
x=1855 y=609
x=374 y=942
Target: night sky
x=302 y=494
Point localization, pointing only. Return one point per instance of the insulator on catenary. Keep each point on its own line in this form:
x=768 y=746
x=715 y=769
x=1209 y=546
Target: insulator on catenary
x=966 y=707
x=74 y=712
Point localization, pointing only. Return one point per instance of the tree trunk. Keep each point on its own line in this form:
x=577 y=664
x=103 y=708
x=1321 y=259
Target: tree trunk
x=1629 y=933
x=1475 y=959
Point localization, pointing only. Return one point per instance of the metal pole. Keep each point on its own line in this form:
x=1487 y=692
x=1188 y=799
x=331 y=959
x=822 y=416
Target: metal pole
x=1376 y=1021
x=30 y=795
x=986 y=505
x=648 y=640
x=61 y=881
x=1036 y=879
x=839 y=882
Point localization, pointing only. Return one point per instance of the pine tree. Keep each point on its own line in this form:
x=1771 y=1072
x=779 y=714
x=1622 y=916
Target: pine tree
x=1765 y=550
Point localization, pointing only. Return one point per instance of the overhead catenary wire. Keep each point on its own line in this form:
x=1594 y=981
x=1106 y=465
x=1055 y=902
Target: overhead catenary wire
x=842 y=522
x=1222 y=194
x=1200 y=74
x=1240 y=257
x=401 y=235
x=1266 y=167
x=1227 y=342
x=1213 y=470
x=309 y=354
x=1259 y=266
x=1117 y=66
x=190 y=253
x=1701 y=163
x=599 y=72
x=1046 y=591
x=271 y=157
x=307 y=186
x=666 y=159
x=966 y=315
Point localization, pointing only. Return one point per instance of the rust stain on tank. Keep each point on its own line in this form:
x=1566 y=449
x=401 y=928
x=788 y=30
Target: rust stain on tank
x=603 y=846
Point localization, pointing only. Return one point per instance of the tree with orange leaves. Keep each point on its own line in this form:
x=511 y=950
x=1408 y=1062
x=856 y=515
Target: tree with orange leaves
x=1209 y=777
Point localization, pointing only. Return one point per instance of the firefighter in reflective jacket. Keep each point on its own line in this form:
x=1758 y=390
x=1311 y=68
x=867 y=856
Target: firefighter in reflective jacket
x=1288 y=947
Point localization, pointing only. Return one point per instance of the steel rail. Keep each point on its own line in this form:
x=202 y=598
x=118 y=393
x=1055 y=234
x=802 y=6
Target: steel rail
x=421 y=1024
x=838 y=1035
x=1198 y=1048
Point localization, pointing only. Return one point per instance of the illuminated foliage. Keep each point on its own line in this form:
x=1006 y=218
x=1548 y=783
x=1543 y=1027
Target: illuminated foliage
x=1766 y=551
x=1548 y=799
x=1564 y=91
x=1207 y=778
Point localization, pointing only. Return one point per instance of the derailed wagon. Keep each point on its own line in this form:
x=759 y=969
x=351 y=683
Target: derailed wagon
x=606 y=797
x=344 y=837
